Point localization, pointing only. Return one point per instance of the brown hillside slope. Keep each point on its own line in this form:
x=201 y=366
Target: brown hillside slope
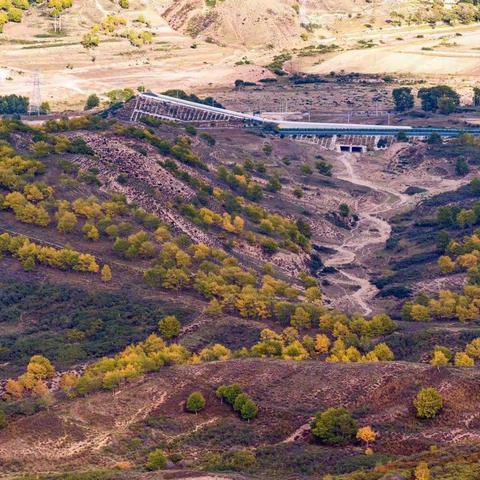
x=75 y=433
x=255 y=23
x=242 y=23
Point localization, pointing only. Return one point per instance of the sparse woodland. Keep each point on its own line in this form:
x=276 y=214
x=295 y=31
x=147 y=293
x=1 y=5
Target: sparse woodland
x=132 y=256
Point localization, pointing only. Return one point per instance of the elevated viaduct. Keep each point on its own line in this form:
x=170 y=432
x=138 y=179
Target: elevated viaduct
x=340 y=136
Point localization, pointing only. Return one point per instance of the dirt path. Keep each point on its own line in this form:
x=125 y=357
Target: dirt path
x=371 y=231
x=299 y=433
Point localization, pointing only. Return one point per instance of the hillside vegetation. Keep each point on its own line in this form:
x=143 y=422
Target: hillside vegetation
x=166 y=306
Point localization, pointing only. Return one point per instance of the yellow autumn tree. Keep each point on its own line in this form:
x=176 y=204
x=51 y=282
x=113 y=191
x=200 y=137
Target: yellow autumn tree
x=106 y=273
x=446 y=264
x=40 y=367
x=68 y=381
x=439 y=359
x=239 y=224
x=40 y=388
x=422 y=472
x=162 y=234
x=14 y=389
x=473 y=348
x=322 y=343
x=420 y=313
x=463 y=360
x=66 y=221
x=91 y=232
x=227 y=223
x=366 y=435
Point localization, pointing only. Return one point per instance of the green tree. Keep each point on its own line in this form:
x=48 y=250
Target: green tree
x=169 y=326
x=157 y=460
x=3 y=419
x=240 y=401
x=476 y=96
x=231 y=393
x=344 y=210
x=300 y=318
x=443 y=239
x=92 y=102
x=324 y=167
x=248 y=410
x=10 y=104
x=402 y=136
x=434 y=139
x=306 y=169
x=430 y=97
x=446 y=105
x=445 y=216
x=428 y=403
x=45 y=108
x=475 y=186
x=274 y=184
x=461 y=167
x=195 y=402
x=334 y=426
x=403 y=99
x=466 y=218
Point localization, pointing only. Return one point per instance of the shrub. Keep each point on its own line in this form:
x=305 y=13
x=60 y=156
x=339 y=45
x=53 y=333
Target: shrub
x=156 y=460
x=240 y=459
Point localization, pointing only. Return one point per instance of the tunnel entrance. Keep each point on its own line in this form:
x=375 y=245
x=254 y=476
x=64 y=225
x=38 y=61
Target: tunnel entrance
x=352 y=148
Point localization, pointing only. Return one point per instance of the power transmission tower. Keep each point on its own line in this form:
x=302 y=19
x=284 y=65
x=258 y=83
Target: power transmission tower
x=35 y=100
x=57 y=23
x=302 y=13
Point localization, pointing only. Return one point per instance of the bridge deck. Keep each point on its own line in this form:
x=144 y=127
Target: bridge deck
x=166 y=107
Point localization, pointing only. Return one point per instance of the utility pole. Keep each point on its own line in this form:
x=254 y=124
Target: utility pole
x=35 y=100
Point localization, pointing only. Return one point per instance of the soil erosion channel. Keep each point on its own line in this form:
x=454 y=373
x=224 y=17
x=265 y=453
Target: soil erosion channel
x=370 y=232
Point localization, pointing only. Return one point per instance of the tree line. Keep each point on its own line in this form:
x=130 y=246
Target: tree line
x=440 y=98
